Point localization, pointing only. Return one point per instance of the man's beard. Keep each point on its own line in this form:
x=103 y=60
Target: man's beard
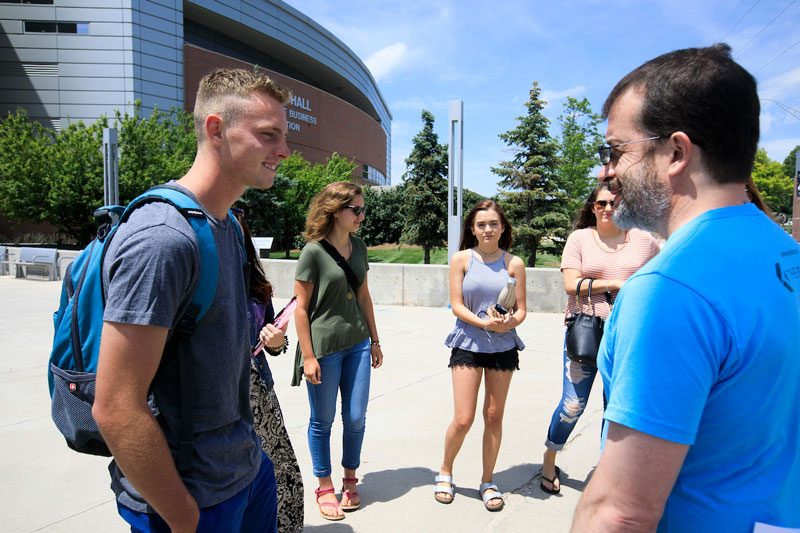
x=645 y=199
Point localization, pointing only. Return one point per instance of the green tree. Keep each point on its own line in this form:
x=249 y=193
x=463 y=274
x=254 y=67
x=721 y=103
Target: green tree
x=470 y=199
x=27 y=160
x=76 y=181
x=58 y=178
x=425 y=205
x=280 y=211
x=384 y=220
x=789 y=164
x=535 y=202
x=577 y=151
x=775 y=186
x=153 y=150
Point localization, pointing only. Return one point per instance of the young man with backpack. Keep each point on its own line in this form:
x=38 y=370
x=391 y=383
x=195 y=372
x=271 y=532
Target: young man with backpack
x=150 y=272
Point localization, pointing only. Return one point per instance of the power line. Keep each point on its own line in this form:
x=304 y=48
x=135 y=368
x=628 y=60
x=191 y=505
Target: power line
x=777 y=57
x=738 y=21
x=767 y=26
x=792 y=111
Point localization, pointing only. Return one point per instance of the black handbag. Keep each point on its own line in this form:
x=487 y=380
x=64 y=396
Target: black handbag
x=584 y=331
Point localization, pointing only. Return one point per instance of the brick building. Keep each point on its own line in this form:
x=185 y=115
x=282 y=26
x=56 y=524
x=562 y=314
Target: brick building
x=70 y=60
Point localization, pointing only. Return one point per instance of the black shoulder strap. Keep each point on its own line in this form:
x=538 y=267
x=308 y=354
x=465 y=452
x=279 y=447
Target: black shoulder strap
x=342 y=262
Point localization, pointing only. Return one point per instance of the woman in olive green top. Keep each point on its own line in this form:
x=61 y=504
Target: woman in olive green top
x=337 y=337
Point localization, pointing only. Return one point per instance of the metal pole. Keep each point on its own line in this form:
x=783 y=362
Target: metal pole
x=110 y=167
x=455 y=170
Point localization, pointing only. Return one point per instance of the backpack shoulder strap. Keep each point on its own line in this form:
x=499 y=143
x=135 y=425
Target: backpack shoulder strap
x=209 y=260
x=200 y=303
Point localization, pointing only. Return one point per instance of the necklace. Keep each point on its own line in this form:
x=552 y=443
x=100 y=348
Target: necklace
x=349 y=247
x=486 y=257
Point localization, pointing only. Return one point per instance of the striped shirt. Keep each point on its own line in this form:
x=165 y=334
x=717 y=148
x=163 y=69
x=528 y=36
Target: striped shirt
x=583 y=252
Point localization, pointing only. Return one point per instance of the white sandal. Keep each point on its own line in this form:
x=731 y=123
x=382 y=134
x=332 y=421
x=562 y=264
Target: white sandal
x=489 y=491
x=438 y=489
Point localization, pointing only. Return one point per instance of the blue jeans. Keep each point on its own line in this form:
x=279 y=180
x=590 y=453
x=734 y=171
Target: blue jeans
x=349 y=371
x=577 y=385
x=252 y=509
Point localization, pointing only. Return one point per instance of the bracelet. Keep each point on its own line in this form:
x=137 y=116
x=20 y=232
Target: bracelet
x=376 y=343
x=280 y=349
x=486 y=324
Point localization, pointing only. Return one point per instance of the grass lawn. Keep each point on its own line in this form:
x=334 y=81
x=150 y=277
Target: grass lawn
x=413 y=255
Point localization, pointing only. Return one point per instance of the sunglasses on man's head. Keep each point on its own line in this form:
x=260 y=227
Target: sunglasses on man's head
x=601 y=204
x=357 y=209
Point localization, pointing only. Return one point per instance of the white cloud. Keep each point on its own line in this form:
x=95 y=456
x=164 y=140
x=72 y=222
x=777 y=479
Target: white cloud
x=553 y=97
x=779 y=86
x=410 y=104
x=765 y=121
x=386 y=60
x=778 y=149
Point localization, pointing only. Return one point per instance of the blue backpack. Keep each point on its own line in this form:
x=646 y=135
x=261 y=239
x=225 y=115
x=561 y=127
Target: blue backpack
x=79 y=323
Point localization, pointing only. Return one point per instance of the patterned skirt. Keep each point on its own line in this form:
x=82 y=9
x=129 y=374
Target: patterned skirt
x=270 y=428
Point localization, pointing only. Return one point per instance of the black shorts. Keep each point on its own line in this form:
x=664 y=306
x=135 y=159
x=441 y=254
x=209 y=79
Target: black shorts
x=507 y=361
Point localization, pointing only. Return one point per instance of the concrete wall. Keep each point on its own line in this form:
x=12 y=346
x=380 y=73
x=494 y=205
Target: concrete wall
x=412 y=285
x=426 y=285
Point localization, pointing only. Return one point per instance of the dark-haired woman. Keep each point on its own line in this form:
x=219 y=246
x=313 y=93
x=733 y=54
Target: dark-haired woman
x=268 y=419
x=337 y=336
x=484 y=344
x=596 y=249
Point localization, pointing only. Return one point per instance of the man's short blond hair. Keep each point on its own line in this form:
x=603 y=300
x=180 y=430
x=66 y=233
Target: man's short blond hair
x=225 y=92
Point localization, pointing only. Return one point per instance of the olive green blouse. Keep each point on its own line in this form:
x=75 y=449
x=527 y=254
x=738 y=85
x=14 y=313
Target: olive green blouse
x=337 y=321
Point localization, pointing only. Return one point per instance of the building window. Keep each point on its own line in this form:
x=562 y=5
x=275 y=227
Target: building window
x=373 y=175
x=34 y=26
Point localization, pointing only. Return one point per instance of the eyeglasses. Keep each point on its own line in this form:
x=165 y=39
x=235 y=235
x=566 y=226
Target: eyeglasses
x=357 y=209
x=604 y=150
x=601 y=204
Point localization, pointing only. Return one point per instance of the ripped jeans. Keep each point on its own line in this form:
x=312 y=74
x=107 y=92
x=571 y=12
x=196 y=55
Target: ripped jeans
x=576 y=387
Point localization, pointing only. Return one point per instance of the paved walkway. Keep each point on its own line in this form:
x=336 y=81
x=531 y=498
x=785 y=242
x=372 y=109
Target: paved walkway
x=47 y=487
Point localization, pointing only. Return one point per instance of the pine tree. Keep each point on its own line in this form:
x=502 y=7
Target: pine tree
x=425 y=202
x=577 y=152
x=535 y=202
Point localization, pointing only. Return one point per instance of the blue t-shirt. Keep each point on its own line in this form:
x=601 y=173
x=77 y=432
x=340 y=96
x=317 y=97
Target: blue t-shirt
x=703 y=349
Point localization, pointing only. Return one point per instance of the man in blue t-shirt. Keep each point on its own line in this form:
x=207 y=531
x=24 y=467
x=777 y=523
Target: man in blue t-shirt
x=151 y=268
x=701 y=356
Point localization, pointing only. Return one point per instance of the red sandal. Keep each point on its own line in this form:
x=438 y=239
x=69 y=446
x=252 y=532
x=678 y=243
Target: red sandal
x=350 y=494
x=320 y=492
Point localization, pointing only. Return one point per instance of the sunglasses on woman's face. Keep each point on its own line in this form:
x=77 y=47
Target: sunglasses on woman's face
x=601 y=204
x=357 y=209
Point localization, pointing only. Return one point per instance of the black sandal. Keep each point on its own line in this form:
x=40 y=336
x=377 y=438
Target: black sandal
x=552 y=482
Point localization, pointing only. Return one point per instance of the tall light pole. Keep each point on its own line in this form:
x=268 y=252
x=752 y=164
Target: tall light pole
x=110 y=167
x=455 y=170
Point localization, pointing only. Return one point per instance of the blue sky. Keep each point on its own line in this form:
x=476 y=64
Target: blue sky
x=425 y=53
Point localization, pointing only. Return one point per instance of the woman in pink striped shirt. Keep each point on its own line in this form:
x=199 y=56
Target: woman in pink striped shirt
x=596 y=249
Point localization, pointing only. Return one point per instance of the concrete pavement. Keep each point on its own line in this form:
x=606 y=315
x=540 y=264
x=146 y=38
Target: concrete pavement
x=47 y=487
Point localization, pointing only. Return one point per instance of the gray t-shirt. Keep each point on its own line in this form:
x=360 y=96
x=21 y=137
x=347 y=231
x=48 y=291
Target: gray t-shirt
x=150 y=271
